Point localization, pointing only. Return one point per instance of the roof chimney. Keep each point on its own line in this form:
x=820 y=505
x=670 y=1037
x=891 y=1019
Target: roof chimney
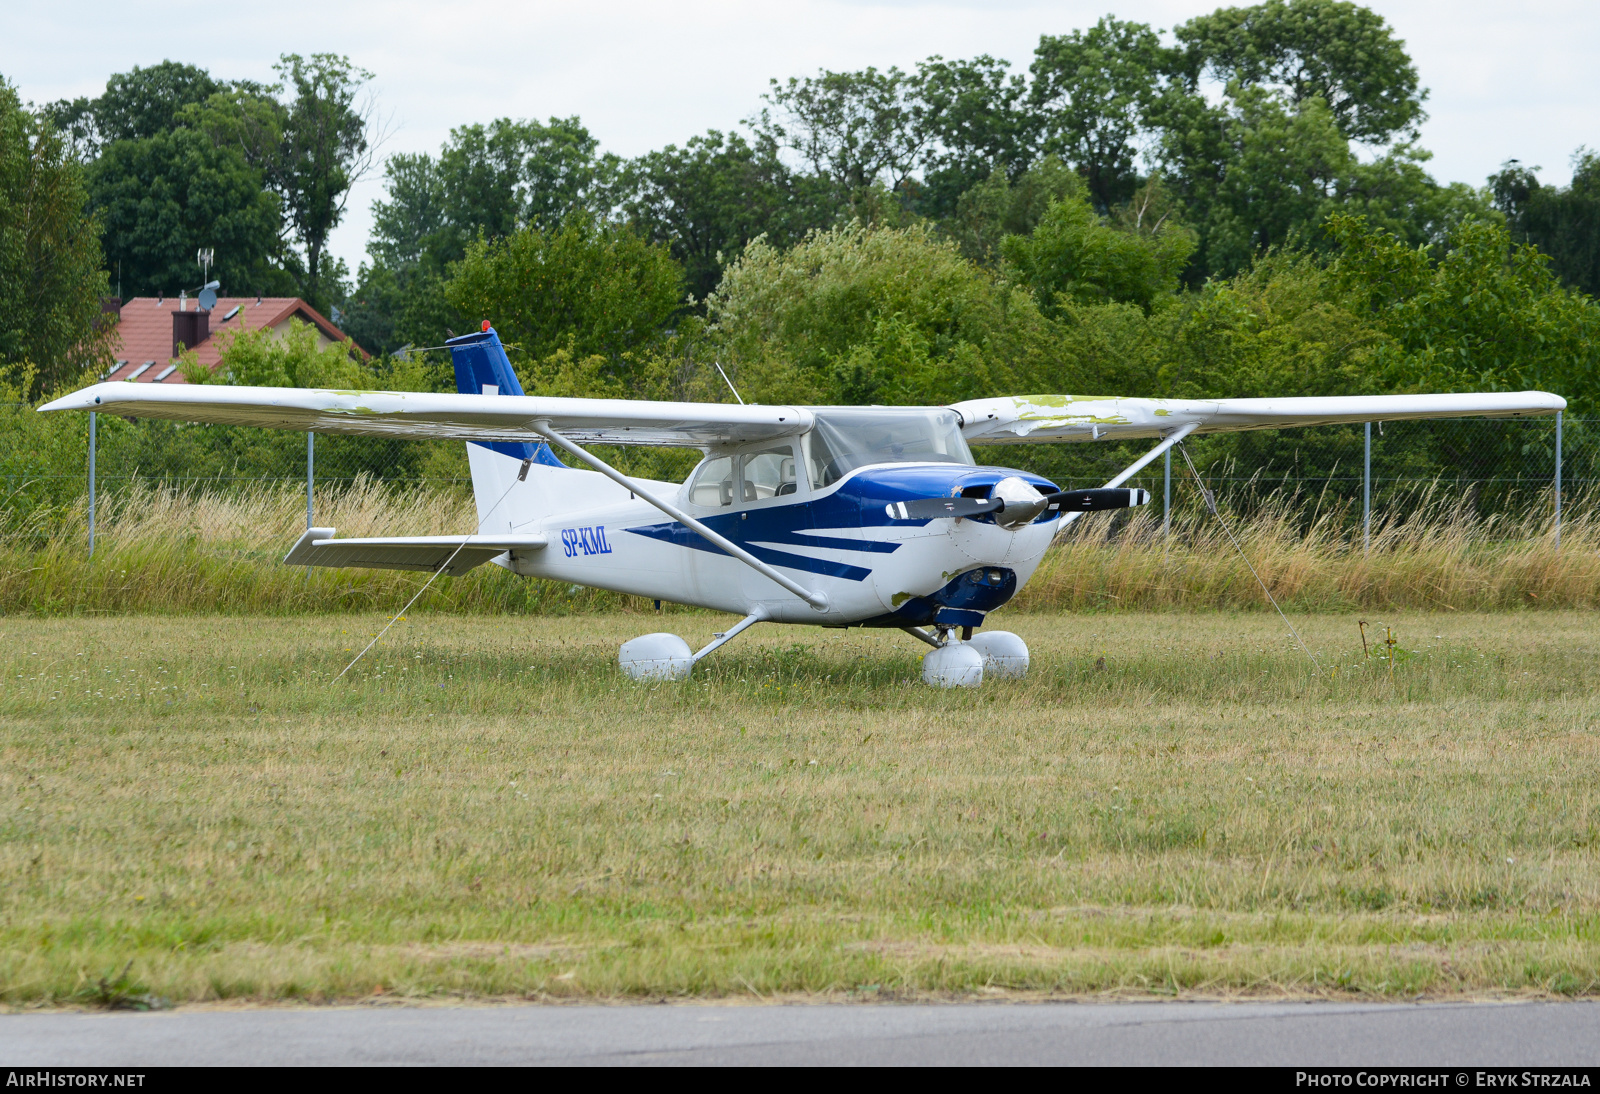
x=189 y=329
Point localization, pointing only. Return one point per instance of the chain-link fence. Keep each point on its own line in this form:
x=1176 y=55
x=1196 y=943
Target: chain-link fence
x=1523 y=469
x=1507 y=467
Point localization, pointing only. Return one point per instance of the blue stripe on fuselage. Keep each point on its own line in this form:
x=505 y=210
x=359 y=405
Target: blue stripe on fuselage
x=682 y=536
x=858 y=503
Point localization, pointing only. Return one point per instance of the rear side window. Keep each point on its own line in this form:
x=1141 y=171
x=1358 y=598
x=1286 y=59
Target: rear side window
x=713 y=483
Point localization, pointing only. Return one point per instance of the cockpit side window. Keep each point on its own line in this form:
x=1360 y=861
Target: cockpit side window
x=769 y=473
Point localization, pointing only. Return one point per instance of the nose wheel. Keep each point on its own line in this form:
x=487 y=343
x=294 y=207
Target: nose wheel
x=964 y=662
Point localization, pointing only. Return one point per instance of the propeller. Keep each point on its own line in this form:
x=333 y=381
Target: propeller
x=930 y=508
x=1079 y=501
x=1094 y=501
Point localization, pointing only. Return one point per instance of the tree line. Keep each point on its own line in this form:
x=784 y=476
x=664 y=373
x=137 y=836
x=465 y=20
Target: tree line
x=1239 y=208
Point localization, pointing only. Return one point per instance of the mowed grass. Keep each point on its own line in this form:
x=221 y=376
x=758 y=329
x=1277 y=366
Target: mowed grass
x=1168 y=804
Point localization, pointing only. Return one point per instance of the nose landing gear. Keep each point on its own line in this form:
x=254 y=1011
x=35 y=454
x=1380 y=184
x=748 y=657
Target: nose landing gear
x=1005 y=655
x=963 y=662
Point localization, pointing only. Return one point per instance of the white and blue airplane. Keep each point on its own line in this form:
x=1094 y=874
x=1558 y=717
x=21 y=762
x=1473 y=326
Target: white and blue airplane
x=830 y=516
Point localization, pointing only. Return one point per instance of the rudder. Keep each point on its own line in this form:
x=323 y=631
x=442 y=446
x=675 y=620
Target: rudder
x=482 y=368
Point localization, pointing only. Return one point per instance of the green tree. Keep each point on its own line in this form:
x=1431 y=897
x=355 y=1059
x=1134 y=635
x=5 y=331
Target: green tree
x=266 y=358
x=1284 y=327
x=323 y=146
x=711 y=197
x=162 y=197
x=1093 y=91
x=1333 y=50
x=489 y=181
x=165 y=179
x=978 y=118
x=51 y=280
x=588 y=288
x=180 y=160
x=1074 y=256
x=1488 y=316
x=1265 y=163
x=392 y=308
x=1562 y=221
x=861 y=314
x=998 y=207
x=1253 y=171
x=858 y=130
x=136 y=105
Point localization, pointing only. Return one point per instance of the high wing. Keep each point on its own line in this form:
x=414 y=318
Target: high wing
x=1021 y=419
x=427 y=414
x=428 y=554
x=1027 y=419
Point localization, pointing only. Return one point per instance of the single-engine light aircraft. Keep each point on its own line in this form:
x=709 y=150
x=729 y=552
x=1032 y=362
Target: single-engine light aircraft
x=833 y=516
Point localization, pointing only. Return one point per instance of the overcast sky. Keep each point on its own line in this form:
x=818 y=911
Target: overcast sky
x=1505 y=80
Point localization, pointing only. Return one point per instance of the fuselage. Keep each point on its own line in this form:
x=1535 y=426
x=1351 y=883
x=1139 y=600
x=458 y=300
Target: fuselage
x=839 y=539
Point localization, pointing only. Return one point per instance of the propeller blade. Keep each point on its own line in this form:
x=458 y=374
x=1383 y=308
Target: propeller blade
x=931 y=508
x=1093 y=501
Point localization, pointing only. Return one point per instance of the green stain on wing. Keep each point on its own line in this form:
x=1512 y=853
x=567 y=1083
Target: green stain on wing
x=1058 y=401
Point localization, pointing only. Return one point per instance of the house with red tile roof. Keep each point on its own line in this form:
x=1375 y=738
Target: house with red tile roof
x=152 y=331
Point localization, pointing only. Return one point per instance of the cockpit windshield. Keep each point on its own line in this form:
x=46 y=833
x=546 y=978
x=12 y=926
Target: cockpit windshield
x=845 y=438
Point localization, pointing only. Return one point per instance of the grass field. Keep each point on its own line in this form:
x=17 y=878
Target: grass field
x=194 y=809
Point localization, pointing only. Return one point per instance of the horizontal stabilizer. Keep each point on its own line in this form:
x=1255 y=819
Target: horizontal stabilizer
x=425 y=553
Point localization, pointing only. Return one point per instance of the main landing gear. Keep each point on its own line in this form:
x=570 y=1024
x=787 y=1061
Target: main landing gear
x=664 y=656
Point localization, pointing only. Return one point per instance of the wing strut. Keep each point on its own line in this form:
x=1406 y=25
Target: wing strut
x=816 y=600
x=1137 y=466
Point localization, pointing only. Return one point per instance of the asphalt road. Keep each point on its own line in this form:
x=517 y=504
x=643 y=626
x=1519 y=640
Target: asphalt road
x=1292 y=1034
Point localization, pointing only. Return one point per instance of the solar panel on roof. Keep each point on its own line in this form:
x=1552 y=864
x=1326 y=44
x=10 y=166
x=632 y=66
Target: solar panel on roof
x=140 y=371
x=164 y=373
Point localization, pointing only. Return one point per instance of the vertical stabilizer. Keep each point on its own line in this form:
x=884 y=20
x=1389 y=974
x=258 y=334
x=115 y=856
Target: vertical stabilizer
x=482 y=368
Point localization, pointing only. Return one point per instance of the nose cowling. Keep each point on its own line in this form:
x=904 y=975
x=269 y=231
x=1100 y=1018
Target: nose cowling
x=1022 y=502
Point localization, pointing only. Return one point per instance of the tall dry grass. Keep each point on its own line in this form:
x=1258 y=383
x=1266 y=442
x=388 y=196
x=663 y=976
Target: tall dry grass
x=1433 y=552
x=166 y=549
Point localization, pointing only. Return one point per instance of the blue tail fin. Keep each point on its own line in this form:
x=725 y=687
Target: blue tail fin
x=482 y=368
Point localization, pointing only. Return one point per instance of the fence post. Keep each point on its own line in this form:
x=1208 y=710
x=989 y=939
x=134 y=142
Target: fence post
x=1558 y=480
x=91 y=483
x=1366 y=495
x=1166 y=495
x=311 y=459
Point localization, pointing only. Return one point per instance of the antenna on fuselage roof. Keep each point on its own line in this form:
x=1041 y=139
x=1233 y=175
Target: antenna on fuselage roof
x=729 y=382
